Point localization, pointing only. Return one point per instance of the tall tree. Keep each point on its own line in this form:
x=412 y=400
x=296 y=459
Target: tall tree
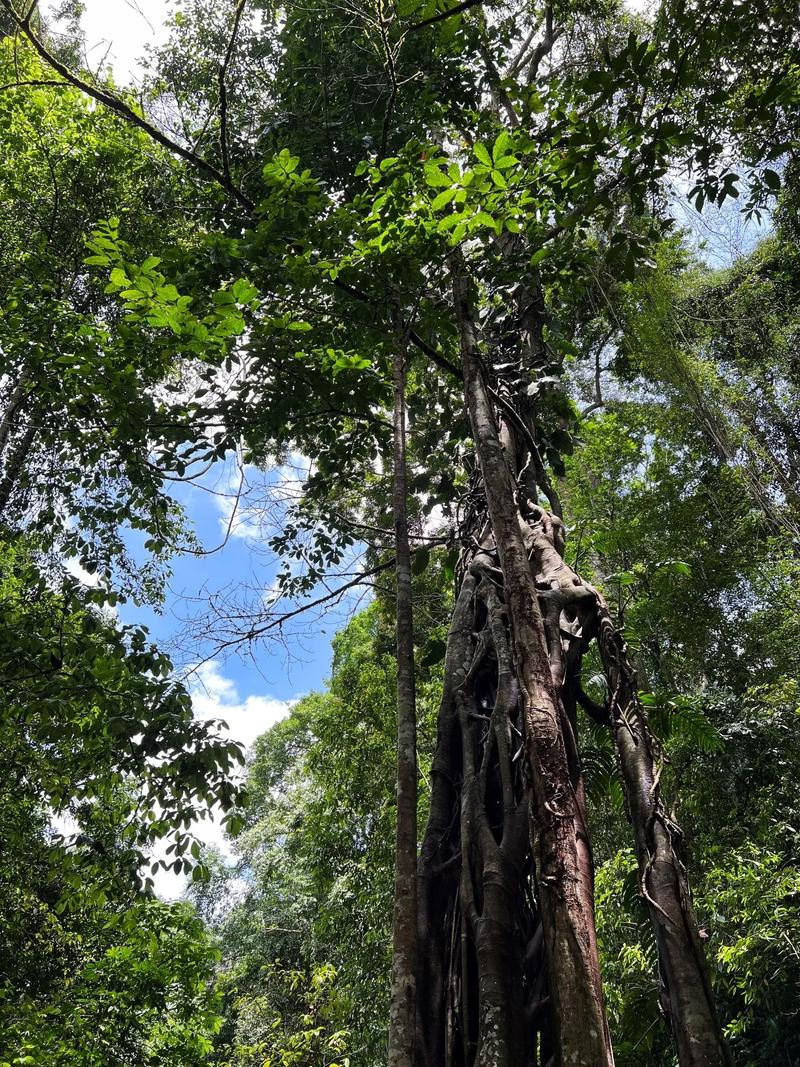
x=505 y=192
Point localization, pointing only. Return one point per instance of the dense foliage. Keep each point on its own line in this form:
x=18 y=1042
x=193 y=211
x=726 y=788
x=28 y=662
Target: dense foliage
x=237 y=262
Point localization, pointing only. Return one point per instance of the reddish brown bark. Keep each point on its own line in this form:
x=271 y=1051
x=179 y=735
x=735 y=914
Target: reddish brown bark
x=558 y=833
x=511 y=974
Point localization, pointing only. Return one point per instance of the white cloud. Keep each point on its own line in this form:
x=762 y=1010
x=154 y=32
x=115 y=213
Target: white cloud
x=435 y=523
x=92 y=581
x=236 y=517
x=215 y=696
x=252 y=500
x=296 y=469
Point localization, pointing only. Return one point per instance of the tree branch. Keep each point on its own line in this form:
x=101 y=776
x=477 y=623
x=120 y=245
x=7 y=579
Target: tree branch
x=123 y=109
x=444 y=15
x=545 y=46
x=223 y=91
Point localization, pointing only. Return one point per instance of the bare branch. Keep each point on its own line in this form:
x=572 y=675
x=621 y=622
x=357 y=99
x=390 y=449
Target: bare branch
x=278 y=621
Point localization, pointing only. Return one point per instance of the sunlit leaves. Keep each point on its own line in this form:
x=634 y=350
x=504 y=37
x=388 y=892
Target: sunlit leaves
x=147 y=296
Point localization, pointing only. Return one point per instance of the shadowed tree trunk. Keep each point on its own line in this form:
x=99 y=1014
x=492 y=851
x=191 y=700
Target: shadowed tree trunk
x=404 y=930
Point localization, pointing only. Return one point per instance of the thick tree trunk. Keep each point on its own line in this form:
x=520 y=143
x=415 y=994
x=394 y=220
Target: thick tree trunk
x=559 y=840
x=482 y=990
x=402 y=1006
x=510 y=974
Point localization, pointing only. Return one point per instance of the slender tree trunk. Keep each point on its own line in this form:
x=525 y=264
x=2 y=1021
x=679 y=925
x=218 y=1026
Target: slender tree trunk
x=439 y=855
x=402 y=1008
x=687 y=998
x=559 y=840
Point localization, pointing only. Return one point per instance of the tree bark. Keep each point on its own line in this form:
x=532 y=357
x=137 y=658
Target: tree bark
x=687 y=998
x=511 y=972
x=402 y=1005
x=559 y=839
x=13 y=466
x=15 y=401
x=482 y=989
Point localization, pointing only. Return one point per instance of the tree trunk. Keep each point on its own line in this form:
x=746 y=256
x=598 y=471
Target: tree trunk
x=559 y=838
x=13 y=465
x=686 y=998
x=511 y=972
x=482 y=991
x=402 y=1006
x=12 y=407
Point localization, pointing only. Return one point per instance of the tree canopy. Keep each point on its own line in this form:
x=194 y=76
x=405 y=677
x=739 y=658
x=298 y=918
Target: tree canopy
x=543 y=812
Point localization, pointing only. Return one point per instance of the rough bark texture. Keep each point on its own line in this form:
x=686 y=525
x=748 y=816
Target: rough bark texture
x=12 y=407
x=402 y=1004
x=559 y=837
x=481 y=998
x=509 y=969
x=13 y=464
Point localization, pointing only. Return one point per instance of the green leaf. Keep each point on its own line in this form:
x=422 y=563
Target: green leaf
x=434 y=653
x=675 y=566
x=771 y=179
x=480 y=151
x=243 y=292
x=501 y=147
x=234 y=825
x=623 y=578
x=485 y=219
x=435 y=177
x=443 y=199
x=119 y=277
x=449 y=222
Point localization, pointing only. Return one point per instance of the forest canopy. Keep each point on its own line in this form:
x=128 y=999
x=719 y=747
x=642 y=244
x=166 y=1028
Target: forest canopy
x=493 y=309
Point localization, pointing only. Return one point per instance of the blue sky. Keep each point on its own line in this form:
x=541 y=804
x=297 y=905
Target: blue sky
x=239 y=559
x=250 y=692
x=233 y=512
x=253 y=689
x=118 y=32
